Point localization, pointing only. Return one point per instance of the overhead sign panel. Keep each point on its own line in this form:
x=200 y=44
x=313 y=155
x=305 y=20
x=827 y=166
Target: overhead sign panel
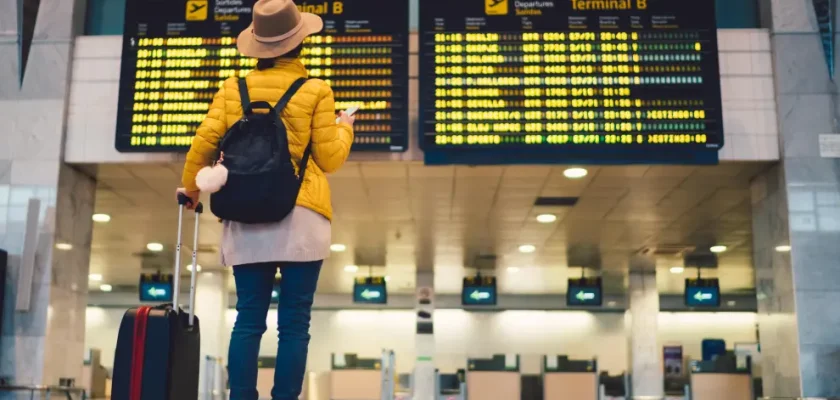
x=702 y=292
x=370 y=290
x=479 y=291
x=176 y=53
x=584 y=292
x=569 y=81
x=156 y=288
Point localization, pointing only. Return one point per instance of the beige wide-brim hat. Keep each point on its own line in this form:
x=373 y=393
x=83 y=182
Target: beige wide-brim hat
x=277 y=29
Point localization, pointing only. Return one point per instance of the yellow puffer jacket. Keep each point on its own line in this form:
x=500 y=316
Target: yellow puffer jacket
x=309 y=116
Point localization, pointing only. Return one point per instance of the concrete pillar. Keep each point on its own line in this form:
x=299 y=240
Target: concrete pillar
x=424 y=368
x=44 y=340
x=211 y=304
x=797 y=204
x=645 y=364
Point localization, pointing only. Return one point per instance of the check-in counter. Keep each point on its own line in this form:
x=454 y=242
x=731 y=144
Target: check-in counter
x=613 y=385
x=451 y=386
x=354 y=378
x=94 y=375
x=720 y=379
x=265 y=375
x=497 y=378
x=265 y=378
x=565 y=379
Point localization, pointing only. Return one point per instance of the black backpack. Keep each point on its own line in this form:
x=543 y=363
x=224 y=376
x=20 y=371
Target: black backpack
x=261 y=186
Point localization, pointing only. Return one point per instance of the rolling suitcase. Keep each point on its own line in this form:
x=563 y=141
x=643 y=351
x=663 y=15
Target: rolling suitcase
x=158 y=348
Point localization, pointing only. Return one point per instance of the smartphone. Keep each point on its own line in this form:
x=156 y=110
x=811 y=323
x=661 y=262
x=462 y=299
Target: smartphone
x=349 y=111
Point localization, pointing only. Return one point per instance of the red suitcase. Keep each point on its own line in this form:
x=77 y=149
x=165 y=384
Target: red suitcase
x=158 y=348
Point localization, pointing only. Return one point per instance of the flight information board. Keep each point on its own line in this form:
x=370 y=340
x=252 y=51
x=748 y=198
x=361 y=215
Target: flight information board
x=569 y=81
x=176 y=53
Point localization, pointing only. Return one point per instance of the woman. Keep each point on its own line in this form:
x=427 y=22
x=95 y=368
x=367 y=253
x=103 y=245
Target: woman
x=299 y=244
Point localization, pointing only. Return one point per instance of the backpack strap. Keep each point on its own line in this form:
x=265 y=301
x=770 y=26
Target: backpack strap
x=243 y=94
x=290 y=92
x=296 y=85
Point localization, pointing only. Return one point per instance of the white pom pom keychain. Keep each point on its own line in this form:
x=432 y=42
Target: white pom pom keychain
x=211 y=179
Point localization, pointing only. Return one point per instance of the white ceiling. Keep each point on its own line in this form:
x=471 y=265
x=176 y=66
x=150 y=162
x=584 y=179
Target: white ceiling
x=398 y=215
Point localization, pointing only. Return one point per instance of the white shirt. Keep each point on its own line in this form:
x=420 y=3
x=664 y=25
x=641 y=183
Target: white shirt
x=302 y=236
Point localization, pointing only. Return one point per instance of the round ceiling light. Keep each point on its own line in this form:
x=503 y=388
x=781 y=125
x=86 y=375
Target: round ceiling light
x=351 y=269
x=527 y=248
x=783 y=248
x=338 y=247
x=546 y=218
x=101 y=218
x=156 y=247
x=575 y=173
x=717 y=249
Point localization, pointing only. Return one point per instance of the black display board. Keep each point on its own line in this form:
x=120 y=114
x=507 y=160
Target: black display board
x=569 y=81
x=177 y=52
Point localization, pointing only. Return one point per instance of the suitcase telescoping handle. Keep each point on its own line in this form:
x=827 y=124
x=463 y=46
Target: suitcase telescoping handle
x=183 y=201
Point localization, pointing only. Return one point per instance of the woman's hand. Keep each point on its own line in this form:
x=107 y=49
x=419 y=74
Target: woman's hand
x=344 y=118
x=192 y=195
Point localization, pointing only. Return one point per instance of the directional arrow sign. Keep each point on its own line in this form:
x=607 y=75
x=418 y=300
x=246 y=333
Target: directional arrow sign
x=156 y=292
x=700 y=296
x=371 y=294
x=581 y=295
x=479 y=295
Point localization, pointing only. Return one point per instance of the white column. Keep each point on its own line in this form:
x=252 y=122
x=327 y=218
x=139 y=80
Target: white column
x=424 y=368
x=211 y=304
x=646 y=368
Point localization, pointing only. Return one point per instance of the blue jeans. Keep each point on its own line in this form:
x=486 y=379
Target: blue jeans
x=253 y=290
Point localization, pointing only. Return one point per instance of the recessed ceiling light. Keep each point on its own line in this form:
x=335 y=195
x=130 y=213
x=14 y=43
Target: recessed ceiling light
x=611 y=304
x=197 y=269
x=95 y=277
x=717 y=249
x=783 y=248
x=351 y=268
x=677 y=270
x=338 y=247
x=546 y=218
x=527 y=248
x=101 y=218
x=154 y=247
x=106 y=288
x=575 y=173
x=513 y=270
x=64 y=246
x=730 y=303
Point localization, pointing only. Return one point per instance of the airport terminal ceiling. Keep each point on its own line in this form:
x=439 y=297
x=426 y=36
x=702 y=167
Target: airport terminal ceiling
x=394 y=216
